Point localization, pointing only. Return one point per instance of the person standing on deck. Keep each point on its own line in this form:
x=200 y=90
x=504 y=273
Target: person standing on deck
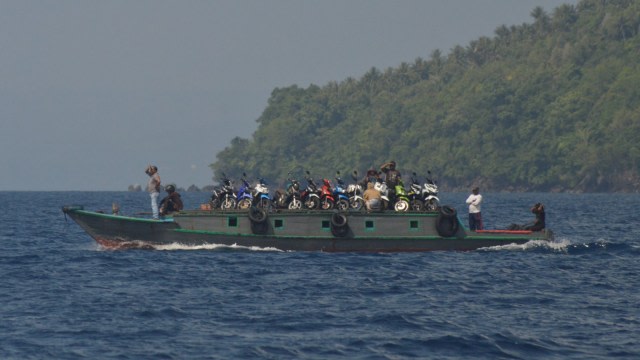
x=391 y=175
x=153 y=187
x=391 y=178
x=475 y=217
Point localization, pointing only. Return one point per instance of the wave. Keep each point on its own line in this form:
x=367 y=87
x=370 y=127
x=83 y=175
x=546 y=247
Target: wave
x=559 y=245
x=143 y=245
x=562 y=245
x=567 y=246
x=218 y=247
x=603 y=245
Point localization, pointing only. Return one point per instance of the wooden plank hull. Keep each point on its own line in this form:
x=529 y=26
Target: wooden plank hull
x=296 y=231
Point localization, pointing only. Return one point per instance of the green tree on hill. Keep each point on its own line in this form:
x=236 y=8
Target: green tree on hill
x=549 y=106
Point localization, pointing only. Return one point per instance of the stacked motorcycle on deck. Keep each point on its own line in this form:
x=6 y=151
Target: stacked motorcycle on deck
x=329 y=195
x=291 y=197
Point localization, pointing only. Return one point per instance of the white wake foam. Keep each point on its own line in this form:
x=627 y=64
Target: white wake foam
x=556 y=245
x=178 y=246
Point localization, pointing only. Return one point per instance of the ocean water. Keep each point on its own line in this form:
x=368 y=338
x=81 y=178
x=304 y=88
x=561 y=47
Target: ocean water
x=64 y=297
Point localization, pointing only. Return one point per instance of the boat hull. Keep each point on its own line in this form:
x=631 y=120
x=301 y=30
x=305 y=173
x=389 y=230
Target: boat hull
x=296 y=231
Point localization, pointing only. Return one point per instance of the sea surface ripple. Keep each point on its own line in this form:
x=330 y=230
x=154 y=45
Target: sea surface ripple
x=64 y=297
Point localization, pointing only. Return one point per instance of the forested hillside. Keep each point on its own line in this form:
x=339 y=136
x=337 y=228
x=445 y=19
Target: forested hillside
x=551 y=105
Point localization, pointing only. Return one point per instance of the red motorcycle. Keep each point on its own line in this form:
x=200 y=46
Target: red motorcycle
x=327 y=202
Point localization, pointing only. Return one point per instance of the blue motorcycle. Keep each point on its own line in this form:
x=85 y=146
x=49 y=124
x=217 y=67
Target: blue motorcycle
x=340 y=194
x=245 y=198
x=260 y=194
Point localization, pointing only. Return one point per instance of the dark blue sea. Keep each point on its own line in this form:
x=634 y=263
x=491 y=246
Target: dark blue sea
x=64 y=297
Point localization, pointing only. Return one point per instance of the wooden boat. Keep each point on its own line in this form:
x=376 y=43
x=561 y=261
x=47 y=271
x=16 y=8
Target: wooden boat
x=293 y=230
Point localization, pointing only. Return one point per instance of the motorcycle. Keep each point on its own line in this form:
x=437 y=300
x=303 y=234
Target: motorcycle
x=430 y=194
x=381 y=186
x=216 y=195
x=340 y=194
x=327 y=201
x=401 y=200
x=310 y=195
x=354 y=191
x=245 y=198
x=414 y=194
x=260 y=194
x=290 y=198
x=228 y=196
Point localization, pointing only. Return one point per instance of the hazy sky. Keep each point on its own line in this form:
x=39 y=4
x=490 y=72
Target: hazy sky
x=91 y=92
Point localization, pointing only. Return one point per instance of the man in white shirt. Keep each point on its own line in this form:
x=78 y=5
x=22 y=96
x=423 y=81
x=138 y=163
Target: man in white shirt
x=475 y=217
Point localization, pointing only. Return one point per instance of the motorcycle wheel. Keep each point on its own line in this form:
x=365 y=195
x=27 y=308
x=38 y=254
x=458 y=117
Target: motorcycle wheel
x=244 y=204
x=342 y=205
x=295 y=204
x=312 y=203
x=228 y=203
x=264 y=203
x=416 y=205
x=215 y=204
x=356 y=204
x=431 y=205
x=401 y=205
x=326 y=204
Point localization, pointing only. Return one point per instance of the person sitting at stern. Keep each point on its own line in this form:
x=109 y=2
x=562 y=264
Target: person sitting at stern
x=539 y=223
x=536 y=225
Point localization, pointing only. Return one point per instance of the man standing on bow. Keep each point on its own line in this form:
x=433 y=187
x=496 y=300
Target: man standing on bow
x=153 y=187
